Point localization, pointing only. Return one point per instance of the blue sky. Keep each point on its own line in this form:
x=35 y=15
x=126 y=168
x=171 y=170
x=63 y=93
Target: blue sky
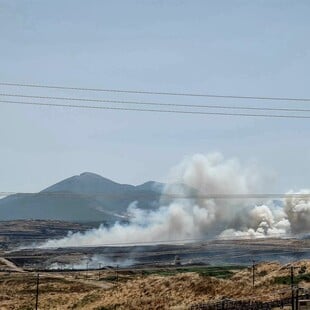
x=225 y=47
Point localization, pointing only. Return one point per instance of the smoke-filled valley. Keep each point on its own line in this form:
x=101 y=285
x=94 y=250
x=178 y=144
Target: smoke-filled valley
x=206 y=197
x=211 y=211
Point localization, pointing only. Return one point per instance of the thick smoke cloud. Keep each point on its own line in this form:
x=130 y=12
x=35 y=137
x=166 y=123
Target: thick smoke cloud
x=200 y=217
x=298 y=211
x=261 y=221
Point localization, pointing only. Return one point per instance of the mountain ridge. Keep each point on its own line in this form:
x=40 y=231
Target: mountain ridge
x=81 y=198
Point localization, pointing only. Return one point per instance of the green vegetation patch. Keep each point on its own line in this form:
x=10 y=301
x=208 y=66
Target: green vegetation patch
x=223 y=272
x=287 y=279
x=111 y=278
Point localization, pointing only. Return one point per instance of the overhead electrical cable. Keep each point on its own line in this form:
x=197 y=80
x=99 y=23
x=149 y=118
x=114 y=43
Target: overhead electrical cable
x=221 y=241
x=155 y=92
x=154 y=103
x=157 y=110
x=167 y=195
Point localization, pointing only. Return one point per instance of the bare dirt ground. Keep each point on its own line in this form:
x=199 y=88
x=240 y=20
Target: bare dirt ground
x=8 y=265
x=21 y=232
x=129 y=290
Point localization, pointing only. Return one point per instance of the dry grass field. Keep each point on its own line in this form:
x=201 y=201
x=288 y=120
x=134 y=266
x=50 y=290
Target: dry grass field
x=157 y=289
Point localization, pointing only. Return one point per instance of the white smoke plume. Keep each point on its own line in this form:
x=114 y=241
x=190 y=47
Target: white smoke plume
x=199 y=216
x=298 y=211
x=261 y=221
x=93 y=262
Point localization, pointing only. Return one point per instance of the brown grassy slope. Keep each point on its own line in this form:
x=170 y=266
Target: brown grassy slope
x=182 y=290
x=17 y=291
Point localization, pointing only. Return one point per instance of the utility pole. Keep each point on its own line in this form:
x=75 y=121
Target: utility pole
x=87 y=263
x=37 y=292
x=292 y=289
x=117 y=274
x=99 y=267
x=253 y=273
x=297 y=298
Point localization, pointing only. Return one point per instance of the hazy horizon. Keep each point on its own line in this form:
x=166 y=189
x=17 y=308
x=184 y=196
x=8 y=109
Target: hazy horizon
x=222 y=47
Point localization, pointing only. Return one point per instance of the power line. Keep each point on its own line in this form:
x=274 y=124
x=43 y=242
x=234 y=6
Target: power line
x=205 y=252
x=156 y=93
x=205 y=246
x=166 y=195
x=155 y=103
x=156 y=110
x=168 y=242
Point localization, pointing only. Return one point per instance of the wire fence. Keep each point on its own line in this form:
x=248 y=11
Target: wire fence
x=249 y=304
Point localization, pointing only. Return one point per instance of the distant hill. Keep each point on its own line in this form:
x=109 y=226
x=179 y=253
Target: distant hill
x=87 y=197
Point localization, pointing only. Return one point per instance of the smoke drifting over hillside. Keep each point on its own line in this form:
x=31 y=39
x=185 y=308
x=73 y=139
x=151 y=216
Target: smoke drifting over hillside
x=92 y=262
x=200 y=217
